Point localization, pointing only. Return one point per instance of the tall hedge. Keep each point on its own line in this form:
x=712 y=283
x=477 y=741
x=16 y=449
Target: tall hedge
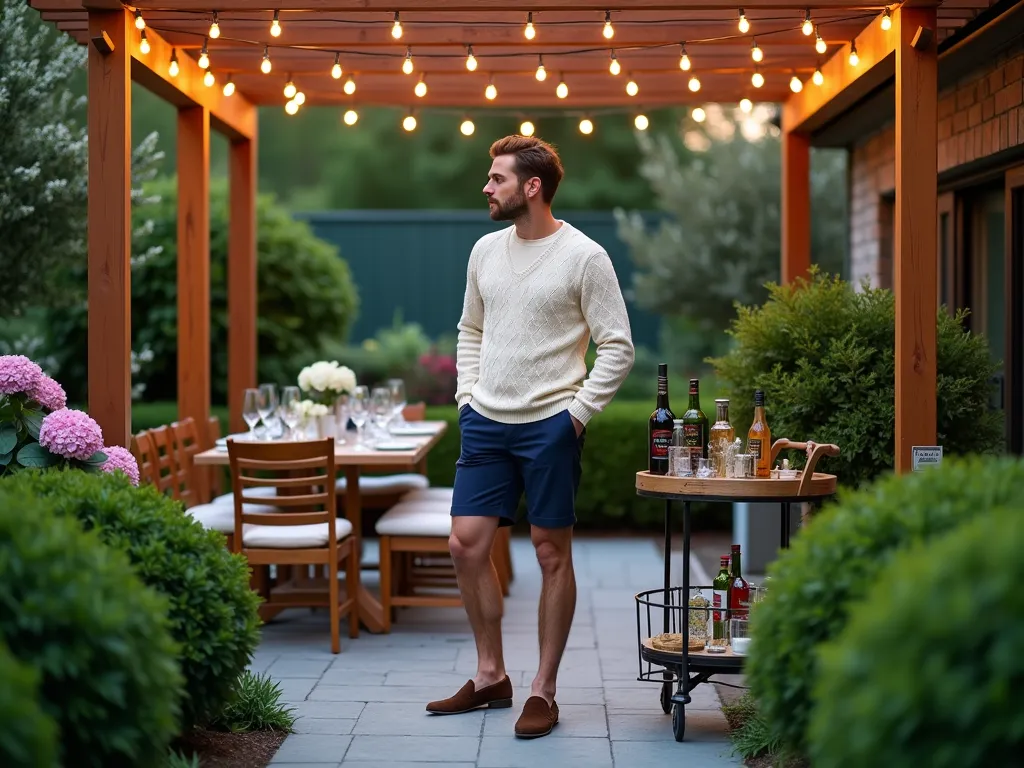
x=305 y=296
x=28 y=736
x=825 y=356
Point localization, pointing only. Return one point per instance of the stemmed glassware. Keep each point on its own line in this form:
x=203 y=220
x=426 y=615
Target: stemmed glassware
x=251 y=410
x=359 y=407
x=398 y=402
x=267 y=407
x=289 y=410
x=341 y=414
x=381 y=408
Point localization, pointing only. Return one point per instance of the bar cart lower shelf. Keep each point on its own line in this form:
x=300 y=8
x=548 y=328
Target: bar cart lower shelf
x=680 y=671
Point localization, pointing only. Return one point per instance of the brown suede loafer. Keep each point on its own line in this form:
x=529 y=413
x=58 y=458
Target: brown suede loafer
x=497 y=696
x=537 y=719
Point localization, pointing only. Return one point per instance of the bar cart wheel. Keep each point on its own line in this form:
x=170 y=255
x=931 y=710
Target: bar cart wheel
x=678 y=721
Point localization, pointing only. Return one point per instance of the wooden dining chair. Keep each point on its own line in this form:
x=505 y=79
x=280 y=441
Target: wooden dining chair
x=144 y=450
x=305 y=531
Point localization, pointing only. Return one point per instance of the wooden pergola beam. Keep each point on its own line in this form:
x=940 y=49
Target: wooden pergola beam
x=241 y=278
x=598 y=7
x=796 y=205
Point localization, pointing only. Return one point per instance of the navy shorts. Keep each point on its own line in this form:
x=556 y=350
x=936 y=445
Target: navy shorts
x=499 y=462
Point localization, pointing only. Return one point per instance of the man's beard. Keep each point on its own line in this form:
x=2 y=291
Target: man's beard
x=513 y=208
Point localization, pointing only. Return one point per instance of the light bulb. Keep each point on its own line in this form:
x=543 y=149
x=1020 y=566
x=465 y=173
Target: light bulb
x=854 y=58
x=808 y=26
x=204 y=58
x=470 y=60
x=491 y=92
x=562 y=90
x=886 y=21
x=140 y=23
x=291 y=107
x=757 y=79
x=407 y=64
x=209 y=79
x=795 y=85
x=632 y=88
x=746 y=105
x=409 y=123
x=694 y=84
x=756 y=53
x=641 y=122
x=289 y=89
x=229 y=87
x=529 y=32
x=526 y=128
x=420 y=89
x=542 y=74
x=819 y=45
x=744 y=24
x=586 y=127
x=350 y=86
x=336 y=69
x=698 y=114
x=396 y=29
x=467 y=128
x=214 y=27
x=613 y=66
x=818 y=78
x=684 y=60
x=609 y=31
x=144 y=44
x=265 y=65
x=351 y=116
x=275 y=26
x=173 y=69
x=300 y=98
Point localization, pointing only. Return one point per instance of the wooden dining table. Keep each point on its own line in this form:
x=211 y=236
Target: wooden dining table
x=353 y=462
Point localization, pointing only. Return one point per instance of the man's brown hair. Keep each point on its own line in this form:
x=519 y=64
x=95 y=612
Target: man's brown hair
x=533 y=158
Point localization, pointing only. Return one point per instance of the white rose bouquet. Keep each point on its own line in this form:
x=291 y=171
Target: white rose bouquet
x=323 y=381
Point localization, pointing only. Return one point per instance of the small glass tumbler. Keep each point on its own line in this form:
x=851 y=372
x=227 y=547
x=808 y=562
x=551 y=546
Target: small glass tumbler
x=704 y=469
x=739 y=636
x=679 y=461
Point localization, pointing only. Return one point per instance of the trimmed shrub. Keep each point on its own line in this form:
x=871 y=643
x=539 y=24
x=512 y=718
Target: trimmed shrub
x=825 y=356
x=835 y=560
x=212 y=611
x=28 y=738
x=929 y=671
x=74 y=610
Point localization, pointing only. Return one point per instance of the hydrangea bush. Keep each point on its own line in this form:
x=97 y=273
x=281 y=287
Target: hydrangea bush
x=38 y=430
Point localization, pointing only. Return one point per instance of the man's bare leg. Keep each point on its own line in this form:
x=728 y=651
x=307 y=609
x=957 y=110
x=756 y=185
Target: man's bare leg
x=557 y=603
x=470 y=545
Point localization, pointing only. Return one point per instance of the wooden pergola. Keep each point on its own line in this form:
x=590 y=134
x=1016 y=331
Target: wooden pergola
x=817 y=59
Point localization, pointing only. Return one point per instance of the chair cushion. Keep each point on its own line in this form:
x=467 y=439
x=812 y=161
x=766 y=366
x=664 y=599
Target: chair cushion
x=221 y=517
x=293 y=536
x=229 y=498
x=382 y=485
x=430 y=494
x=416 y=518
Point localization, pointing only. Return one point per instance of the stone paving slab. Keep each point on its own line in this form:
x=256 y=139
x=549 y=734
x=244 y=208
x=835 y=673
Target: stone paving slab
x=364 y=707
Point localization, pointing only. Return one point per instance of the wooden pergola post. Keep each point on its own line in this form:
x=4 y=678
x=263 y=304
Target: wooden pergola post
x=242 y=286
x=194 y=264
x=796 y=204
x=109 y=225
x=915 y=266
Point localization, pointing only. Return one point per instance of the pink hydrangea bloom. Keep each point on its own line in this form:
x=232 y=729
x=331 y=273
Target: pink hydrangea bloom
x=18 y=374
x=71 y=434
x=119 y=458
x=49 y=394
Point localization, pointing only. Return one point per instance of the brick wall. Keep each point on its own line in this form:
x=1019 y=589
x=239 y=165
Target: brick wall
x=979 y=116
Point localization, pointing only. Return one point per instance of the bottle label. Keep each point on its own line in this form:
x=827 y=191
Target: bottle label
x=719 y=600
x=660 y=441
x=754 y=448
x=739 y=602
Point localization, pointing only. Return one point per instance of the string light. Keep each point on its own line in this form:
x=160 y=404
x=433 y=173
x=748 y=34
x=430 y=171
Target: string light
x=144 y=44
x=817 y=77
x=757 y=79
x=746 y=105
x=470 y=59
x=291 y=107
x=275 y=25
x=854 y=58
x=632 y=88
x=140 y=23
x=289 y=88
x=807 y=27
x=641 y=122
x=529 y=32
x=350 y=85
x=744 y=25
x=491 y=92
x=208 y=79
x=698 y=114
x=336 y=69
x=214 y=27
x=886 y=20
x=409 y=123
x=562 y=91
x=204 y=57
x=795 y=85
x=819 y=44
x=694 y=84
x=614 y=67
x=350 y=117
x=300 y=98
x=609 y=30
x=265 y=65
x=755 y=52
x=526 y=128
x=541 y=73
x=684 y=60
x=467 y=127
x=229 y=87
x=586 y=126
x=407 y=64
x=421 y=87
x=396 y=32
x=172 y=69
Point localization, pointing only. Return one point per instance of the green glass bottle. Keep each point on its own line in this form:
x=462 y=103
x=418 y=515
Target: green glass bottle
x=695 y=426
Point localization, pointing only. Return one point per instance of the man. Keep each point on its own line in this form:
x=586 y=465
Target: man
x=536 y=292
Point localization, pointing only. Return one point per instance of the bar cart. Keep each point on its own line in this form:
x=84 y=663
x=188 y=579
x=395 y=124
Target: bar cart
x=683 y=667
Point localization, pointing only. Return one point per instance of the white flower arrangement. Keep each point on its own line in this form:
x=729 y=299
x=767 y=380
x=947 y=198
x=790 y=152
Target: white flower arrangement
x=307 y=409
x=324 y=381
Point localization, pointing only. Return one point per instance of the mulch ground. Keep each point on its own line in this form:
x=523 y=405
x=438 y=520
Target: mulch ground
x=217 y=749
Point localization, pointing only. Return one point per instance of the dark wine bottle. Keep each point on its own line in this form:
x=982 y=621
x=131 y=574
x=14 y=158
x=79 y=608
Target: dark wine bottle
x=659 y=427
x=695 y=427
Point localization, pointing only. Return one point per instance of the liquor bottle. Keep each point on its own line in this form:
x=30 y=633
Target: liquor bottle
x=720 y=603
x=695 y=426
x=659 y=427
x=739 y=589
x=759 y=438
x=722 y=435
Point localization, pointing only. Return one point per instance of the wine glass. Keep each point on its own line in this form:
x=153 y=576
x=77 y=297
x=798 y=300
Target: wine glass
x=381 y=408
x=267 y=405
x=289 y=410
x=359 y=407
x=397 y=387
x=251 y=410
x=341 y=414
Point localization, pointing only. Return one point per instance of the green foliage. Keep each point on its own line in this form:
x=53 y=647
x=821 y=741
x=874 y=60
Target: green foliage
x=176 y=759
x=257 y=708
x=825 y=356
x=28 y=738
x=836 y=559
x=722 y=241
x=748 y=732
x=928 y=670
x=212 y=610
x=306 y=297
x=74 y=610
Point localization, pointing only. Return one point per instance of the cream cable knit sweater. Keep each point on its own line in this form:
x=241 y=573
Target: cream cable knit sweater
x=523 y=335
